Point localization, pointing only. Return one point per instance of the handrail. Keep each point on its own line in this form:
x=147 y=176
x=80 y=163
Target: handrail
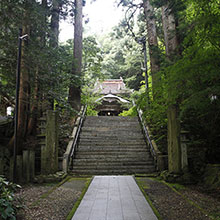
x=72 y=145
x=78 y=131
x=147 y=134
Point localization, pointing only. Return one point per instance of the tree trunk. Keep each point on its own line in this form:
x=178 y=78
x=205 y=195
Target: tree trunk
x=75 y=88
x=152 y=41
x=55 y=18
x=171 y=43
x=169 y=28
x=24 y=92
x=32 y=123
x=36 y=102
x=54 y=38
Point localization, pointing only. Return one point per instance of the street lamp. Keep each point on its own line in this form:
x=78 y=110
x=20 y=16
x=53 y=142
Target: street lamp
x=142 y=41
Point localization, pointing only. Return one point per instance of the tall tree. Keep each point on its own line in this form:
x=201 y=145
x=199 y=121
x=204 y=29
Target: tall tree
x=35 y=109
x=152 y=41
x=171 y=44
x=24 y=92
x=75 y=87
x=55 y=18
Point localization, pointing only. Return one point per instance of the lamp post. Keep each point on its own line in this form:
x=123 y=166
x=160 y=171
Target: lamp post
x=142 y=41
x=20 y=38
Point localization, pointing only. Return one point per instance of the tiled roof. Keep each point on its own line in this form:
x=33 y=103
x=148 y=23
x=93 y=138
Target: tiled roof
x=111 y=86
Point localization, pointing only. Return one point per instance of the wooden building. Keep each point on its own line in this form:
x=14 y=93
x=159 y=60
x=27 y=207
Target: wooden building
x=112 y=101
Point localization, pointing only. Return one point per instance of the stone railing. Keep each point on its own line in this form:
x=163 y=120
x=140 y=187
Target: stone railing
x=161 y=161
x=72 y=145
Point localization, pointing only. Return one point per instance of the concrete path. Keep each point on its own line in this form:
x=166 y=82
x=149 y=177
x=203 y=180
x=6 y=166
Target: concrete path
x=114 y=198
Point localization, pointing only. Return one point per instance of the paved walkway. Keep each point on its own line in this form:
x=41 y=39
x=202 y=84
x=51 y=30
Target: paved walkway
x=114 y=198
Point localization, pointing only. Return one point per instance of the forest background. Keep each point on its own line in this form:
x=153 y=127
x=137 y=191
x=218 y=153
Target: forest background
x=183 y=68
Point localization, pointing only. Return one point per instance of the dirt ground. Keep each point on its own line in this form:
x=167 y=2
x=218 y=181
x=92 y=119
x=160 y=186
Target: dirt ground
x=172 y=202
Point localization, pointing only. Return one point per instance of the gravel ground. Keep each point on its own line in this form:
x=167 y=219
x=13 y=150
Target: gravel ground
x=181 y=203
x=49 y=202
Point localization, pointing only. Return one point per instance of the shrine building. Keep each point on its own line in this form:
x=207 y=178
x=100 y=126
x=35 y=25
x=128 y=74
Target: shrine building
x=113 y=93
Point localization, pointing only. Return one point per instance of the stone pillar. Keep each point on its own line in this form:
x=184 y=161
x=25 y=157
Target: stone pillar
x=19 y=169
x=49 y=152
x=32 y=164
x=184 y=156
x=162 y=161
x=174 y=148
x=26 y=166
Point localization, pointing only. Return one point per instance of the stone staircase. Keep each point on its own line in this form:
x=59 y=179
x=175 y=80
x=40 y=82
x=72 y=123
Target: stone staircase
x=112 y=145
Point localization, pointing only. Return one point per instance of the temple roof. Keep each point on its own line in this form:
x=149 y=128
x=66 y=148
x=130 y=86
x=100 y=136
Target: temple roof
x=111 y=86
x=110 y=98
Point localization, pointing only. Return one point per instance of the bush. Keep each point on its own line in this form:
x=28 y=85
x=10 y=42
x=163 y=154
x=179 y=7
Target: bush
x=7 y=207
x=131 y=112
x=90 y=111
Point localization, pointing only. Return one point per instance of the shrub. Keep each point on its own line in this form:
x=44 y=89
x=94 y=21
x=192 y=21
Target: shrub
x=7 y=207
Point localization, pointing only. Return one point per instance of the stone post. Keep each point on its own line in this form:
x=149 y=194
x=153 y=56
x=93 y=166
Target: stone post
x=184 y=157
x=174 y=148
x=32 y=164
x=26 y=166
x=19 y=168
x=49 y=152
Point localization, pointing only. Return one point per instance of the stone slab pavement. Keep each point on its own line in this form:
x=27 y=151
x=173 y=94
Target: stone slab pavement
x=114 y=198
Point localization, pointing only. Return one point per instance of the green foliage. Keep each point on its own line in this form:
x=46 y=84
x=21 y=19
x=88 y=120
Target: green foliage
x=122 y=56
x=89 y=99
x=130 y=112
x=154 y=114
x=92 y=61
x=7 y=208
x=90 y=111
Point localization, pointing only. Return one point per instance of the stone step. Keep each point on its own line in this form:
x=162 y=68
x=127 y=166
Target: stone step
x=115 y=152
x=113 y=131
x=143 y=160
x=110 y=138
x=112 y=141
x=112 y=145
x=111 y=118
x=112 y=134
x=134 y=128
x=96 y=163
x=116 y=126
x=122 y=124
x=110 y=122
x=113 y=156
x=111 y=148
x=113 y=167
x=124 y=171
x=109 y=142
